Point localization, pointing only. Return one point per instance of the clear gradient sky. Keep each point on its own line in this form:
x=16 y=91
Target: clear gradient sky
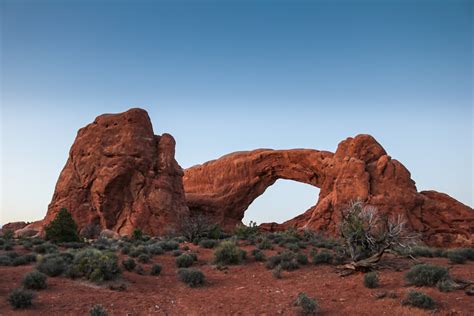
x=223 y=76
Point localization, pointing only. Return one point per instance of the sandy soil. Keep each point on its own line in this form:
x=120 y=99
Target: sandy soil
x=247 y=289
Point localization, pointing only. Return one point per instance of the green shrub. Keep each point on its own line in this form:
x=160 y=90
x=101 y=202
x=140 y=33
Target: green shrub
x=301 y=258
x=446 y=285
x=52 y=265
x=420 y=300
x=45 y=248
x=129 y=264
x=265 y=243
x=168 y=245
x=245 y=232
x=371 y=280
x=35 y=280
x=24 y=259
x=95 y=265
x=137 y=234
x=286 y=260
x=214 y=232
x=62 y=229
x=422 y=251
x=154 y=249
x=97 y=310
x=20 y=298
x=156 y=269
x=5 y=260
x=258 y=255
x=192 y=277
x=426 y=274
x=459 y=256
x=308 y=305
x=467 y=252
x=91 y=231
x=144 y=258
x=8 y=234
x=184 y=261
x=208 y=243
x=228 y=253
x=322 y=257
x=8 y=245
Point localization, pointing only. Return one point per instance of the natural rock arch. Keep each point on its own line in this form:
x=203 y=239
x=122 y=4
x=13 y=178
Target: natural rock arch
x=359 y=169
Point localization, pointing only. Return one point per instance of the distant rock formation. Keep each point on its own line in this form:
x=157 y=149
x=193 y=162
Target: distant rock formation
x=359 y=169
x=121 y=176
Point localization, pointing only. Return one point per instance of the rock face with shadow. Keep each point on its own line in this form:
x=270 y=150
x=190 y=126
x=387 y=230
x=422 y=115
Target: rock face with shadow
x=121 y=176
x=359 y=169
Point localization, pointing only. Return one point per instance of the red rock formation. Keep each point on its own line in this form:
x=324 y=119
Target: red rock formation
x=360 y=168
x=121 y=176
x=13 y=226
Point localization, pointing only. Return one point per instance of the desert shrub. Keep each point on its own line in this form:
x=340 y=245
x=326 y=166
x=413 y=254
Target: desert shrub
x=176 y=253
x=276 y=272
x=52 y=265
x=97 y=310
x=144 y=258
x=322 y=257
x=8 y=245
x=286 y=260
x=466 y=252
x=95 y=265
x=125 y=250
x=208 y=243
x=104 y=243
x=137 y=251
x=184 y=261
x=137 y=234
x=245 y=232
x=419 y=299
x=26 y=258
x=228 y=253
x=426 y=274
x=186 y=248
x=73 y=245
x=193 y=255
x=27 y=244
x=265 y=243
x=446 y=285
x=367 y=234
x=168 y=245
x=371 y=280
x=258 y=255
x=423 y=251
x=34 y=280
x=91 y=231
x=129 y=264
x=5 y=260
x=292 y=246
x=154 y=249
x=197 y=227
x=62 y=229
x=45 y=248
x=301 y=258
x=456 y=257
x=21 y=298
x=155 y=269
x=37 y=241
x=308 y=305
x=192 y=277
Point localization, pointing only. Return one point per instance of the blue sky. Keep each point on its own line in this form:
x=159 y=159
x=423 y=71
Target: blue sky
x=223 y=76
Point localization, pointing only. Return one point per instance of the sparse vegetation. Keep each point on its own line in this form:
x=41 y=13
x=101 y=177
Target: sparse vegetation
x=419 y=299
x=63 y=228
x=197 y=227
x=322 y=257
x=97 y=310
x=302 y=258
x=137 y=235
x=286 y=260
x=277 y=271
x=192 y=277
x=228 y=253
x=129 y=264
x=21 y=298
x=258 y=255
x=245 y=232
x=426 y=275
x=308 y=305
x=371 y=280
x=144 y=258
x=34 y=280
x=184 y=261
x=155 y=269
x=91 y=231
x=95 y=265
x=52 y=265
x=208 y=243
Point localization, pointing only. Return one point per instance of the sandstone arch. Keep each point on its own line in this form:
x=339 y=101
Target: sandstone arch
x=360 y=168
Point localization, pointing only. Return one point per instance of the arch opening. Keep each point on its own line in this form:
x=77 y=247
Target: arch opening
x=282 y=201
